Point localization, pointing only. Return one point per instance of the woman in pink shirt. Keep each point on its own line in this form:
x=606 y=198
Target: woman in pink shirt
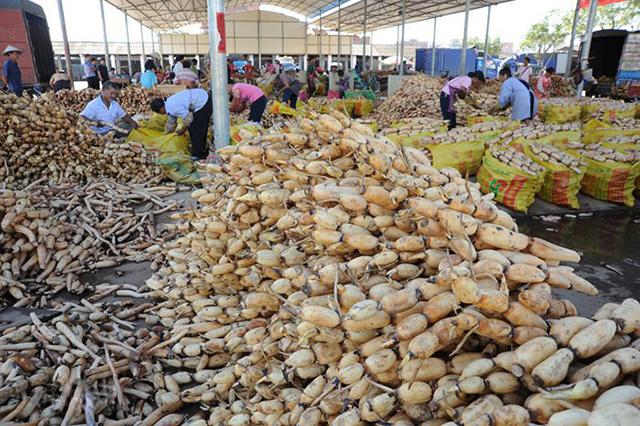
x=244 y=93
x=454 y=89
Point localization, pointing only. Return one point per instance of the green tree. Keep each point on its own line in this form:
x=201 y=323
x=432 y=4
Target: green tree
x=495 y=44
x=544 y=37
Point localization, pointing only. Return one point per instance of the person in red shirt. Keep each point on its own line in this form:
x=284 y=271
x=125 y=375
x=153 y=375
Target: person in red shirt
x=249 y=72
x=231 y=67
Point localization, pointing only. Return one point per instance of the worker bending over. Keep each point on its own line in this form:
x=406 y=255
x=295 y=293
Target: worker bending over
x=518 y=94
x=454 y=89
x=242 y=94
x=193 y=105
x=104 y=112
x=59 y=80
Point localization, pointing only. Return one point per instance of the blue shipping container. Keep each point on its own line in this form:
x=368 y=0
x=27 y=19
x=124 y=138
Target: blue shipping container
x=446 y=60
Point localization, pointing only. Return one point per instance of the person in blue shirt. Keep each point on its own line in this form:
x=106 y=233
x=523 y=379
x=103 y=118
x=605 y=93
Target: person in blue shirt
x=517 y=94
x=90 y=72
x=104 y=111
x=148 y=79
x=11 y=75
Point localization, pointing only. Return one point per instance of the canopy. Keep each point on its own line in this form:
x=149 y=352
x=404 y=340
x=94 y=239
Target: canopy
x=166 y=15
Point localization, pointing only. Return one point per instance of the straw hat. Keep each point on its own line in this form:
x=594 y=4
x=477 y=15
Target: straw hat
x=11 y=49
x=186 y=75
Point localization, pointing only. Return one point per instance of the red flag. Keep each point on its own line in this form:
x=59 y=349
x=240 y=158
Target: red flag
x=584 y=4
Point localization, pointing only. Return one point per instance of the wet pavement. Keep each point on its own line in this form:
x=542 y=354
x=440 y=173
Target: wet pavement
x=610 y=246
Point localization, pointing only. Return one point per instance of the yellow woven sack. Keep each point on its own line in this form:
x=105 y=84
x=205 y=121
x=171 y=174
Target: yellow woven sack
x=512 y=187
x=360 y=107
x=560 y=114
x=471 y=120
x=464 y=156
x=560 y=185
x=561 y=138
x=281 y=109
x=611 y=181
x=411 y=140
x=168 y=143
x=242 y=132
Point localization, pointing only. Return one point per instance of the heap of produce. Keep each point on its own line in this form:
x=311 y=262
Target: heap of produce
x=42 y=140
x=605 y=108
x=413 y=126
x=560 y=86
x=599 y=152
x=133 y=99
x=551 y=154
x=329 y=275
x=537 y=130
x=510 y=156
x=419 y=96
x=463 y=134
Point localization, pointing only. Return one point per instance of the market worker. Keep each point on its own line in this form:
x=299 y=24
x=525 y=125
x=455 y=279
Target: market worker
x=518 y=94
x=525 y=71
x=544 y=83
x=104 y=110
x=193 y=105
x=59 y=80
x=244 y=93
x=11 y=75
x=148 y=79
x=454 y=89
x=90 y=72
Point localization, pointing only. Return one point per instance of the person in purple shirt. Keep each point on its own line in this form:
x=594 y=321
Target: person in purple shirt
x=11 y=75
x=454 y=89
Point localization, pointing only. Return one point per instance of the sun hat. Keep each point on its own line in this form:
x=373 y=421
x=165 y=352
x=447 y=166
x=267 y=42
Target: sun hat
x=10 y=49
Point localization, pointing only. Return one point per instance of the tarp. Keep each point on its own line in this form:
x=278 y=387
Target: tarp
x=586 y=3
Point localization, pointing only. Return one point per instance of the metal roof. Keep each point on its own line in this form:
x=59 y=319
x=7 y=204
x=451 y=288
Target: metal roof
x=166 y=15
x=173 y=14
x=388 y=13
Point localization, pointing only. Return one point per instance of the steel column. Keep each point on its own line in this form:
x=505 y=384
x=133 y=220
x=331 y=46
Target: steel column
x=340 y=33
x=144 y=54
x=306 y=45
x=486 y=41
x=364 y=39
x=65 y=41
x=218 y=52
x=433 y=48
x=153 y=43
x=259 y=44
x=104 y=34
x=126 y=27
x=371 y=44
x=576 y=17
x=463 y=59
x=586 y=46
x=320 y=58
x=404 y=7
x=397 y=44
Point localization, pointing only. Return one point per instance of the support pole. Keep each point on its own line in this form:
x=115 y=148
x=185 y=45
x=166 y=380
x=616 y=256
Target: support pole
x=586 y=45
x=144 y=55
x=404 y=7
x=126 y=27
x=371 y=44
x=104 y=34
x=397 y=44
x=218 y=52
x=364 y=39
x=576 y=17
x=321 y=59
x=65 y=41
x=433 y=48
x=259 y=44
x=306 y=46
x=340 y=34
x=463 y=59
x=153 y=43
x=486 y=42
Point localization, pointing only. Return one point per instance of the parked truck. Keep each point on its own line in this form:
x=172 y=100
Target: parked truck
x=447 y=61
x=23 y=24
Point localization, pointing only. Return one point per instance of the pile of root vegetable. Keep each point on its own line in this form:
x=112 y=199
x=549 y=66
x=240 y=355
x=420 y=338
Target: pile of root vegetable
x=133 y=99
x=43 y=140
x=419 y=96
x=329 y=276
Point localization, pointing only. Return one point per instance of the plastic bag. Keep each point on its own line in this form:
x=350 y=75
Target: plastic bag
x=281 y=109
x=360 y=107
x=179 y=168
x=463 y=156
x=560 y=184
x=241 y=132
x=559 y=114
x=511 y=186
x=611 y=181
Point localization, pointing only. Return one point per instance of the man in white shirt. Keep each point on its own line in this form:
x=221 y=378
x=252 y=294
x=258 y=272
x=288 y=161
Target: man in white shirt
x=177 y=65
x=525 y=72
x=105 y=112
x=194 y=106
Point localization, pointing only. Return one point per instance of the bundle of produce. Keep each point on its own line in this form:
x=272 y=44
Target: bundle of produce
x=135 y=99
x=408 y=131
x=42 y=140
x=91 y=364
x=559 y=110
x=564 y=173
x=606 y=109
x=71 y=100
x=52 y=233
x=560 y=86
x=342 y=279
x=611 y=172
x=511 y=176
x=554 y=133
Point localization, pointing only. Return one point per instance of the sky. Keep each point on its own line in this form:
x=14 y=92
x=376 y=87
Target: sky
x=509 y=20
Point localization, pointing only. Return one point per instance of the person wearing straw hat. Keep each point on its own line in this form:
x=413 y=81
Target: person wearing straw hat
x=194 y=106
x=11 y=75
